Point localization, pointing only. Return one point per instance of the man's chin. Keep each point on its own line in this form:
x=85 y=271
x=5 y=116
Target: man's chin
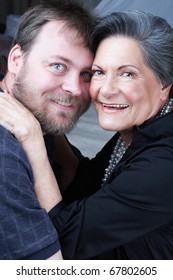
x=60 y=123
x=59 y=127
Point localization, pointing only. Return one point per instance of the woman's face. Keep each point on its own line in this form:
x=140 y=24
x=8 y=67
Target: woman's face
x=124 y=89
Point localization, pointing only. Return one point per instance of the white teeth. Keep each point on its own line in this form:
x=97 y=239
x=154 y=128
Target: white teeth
x=115 y=106
x=64 y=103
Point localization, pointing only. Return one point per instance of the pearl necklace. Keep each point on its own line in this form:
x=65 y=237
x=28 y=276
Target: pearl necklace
x=120 y=149
x=116 y=155
x=167 y=107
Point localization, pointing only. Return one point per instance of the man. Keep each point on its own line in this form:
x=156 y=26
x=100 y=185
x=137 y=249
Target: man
x=49 y=72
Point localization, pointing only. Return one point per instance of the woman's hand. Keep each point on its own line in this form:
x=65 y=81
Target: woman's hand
x=18 y=119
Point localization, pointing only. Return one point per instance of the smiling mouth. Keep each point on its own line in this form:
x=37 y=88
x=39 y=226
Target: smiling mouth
x=64 y=104
x=115 y=106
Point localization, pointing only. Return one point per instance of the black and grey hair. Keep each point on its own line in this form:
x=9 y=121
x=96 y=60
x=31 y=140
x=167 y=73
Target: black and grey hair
x=153 y=34
x=70 y=12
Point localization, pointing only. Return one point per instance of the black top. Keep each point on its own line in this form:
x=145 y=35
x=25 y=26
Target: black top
x=131 y=216
x=1 y=76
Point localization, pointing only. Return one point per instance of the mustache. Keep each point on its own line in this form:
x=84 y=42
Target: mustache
x=63 y=98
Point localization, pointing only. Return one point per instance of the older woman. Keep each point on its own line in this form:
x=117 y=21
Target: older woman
x=120 y=204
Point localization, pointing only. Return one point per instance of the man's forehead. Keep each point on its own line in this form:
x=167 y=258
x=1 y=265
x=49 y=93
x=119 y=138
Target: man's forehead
x=56 y=43
x=61 y=28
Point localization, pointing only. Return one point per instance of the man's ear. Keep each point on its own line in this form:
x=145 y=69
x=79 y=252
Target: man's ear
x=14 y=59
x=165 y=92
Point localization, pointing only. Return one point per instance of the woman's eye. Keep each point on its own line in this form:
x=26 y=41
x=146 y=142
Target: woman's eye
x=127 y=74
x=59 y=67
x=96 y=72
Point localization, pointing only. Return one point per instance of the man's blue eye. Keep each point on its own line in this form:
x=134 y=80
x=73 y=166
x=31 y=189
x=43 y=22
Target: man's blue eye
x=87 y=75
x=58 y=67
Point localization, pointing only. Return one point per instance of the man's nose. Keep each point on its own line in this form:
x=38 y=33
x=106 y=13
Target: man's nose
x=72 y=84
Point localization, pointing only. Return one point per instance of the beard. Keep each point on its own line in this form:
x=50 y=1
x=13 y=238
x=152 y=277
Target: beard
x=52 y=122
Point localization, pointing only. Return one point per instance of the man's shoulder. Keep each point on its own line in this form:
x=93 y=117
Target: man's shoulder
x=10 y=146
x=7 y=139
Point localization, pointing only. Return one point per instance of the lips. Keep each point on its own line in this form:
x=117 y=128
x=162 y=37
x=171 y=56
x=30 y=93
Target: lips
x=62 y=101
x=66 y=104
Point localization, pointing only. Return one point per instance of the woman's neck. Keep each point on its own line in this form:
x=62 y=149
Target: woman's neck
x=127 y=136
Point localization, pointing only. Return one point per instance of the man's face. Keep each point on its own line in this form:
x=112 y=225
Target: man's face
x=53 y=80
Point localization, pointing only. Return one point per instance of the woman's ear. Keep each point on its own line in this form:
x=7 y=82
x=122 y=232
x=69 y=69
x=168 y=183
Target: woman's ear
x=165 y=92
x=14 y=59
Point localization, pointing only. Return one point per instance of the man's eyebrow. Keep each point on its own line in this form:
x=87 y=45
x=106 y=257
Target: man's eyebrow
x=67 y=60
x=88 y=67
x=56 y=57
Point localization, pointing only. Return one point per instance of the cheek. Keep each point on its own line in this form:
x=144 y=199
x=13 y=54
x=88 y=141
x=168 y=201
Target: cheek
x=93 y=90
x=86 y=90
x=42 y=78
x=135 y=94
x=47 y=83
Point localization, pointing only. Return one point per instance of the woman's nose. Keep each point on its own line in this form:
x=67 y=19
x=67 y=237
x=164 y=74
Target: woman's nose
x=109 y=87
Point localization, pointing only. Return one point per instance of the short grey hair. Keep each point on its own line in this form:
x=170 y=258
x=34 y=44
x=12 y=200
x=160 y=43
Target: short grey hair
x=152 y=33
